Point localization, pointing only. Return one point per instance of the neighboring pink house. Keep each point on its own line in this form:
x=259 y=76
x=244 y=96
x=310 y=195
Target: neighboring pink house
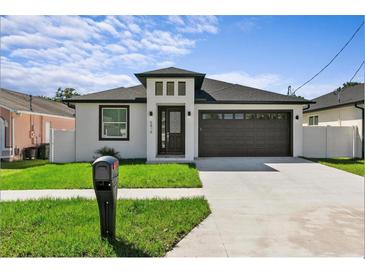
x=26 y=121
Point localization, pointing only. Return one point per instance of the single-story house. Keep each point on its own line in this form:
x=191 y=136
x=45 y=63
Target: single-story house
x=179 y=115
x=26 y=121
x=338 y=108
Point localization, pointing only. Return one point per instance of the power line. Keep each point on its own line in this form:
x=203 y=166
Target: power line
x=352 y=78
x=330 y=62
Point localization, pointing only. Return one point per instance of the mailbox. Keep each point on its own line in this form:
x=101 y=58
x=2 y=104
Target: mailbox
x=105 y=181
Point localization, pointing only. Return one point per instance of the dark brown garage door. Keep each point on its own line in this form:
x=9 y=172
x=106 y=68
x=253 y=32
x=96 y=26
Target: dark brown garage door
x=244 y=133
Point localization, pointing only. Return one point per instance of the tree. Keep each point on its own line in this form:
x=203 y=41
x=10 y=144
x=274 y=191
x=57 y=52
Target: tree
x=65 y=93
x=297 y=96
x=346 y=85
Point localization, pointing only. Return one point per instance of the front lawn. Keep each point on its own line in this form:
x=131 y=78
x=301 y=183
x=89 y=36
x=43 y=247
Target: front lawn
x=355 y=166
x=70 y=228
x=132 y=174
x=22 y=164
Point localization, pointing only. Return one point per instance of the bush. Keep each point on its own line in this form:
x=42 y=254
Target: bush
x=107 y=151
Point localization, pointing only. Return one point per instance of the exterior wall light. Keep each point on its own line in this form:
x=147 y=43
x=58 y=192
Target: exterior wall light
x=151 y=113
x=189 y=113
x=297 y=117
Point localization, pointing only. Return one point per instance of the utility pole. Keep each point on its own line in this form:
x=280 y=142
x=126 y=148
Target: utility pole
x=289 y=91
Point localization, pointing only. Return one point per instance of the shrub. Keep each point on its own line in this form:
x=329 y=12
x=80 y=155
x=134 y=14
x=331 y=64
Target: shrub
x=107 y=151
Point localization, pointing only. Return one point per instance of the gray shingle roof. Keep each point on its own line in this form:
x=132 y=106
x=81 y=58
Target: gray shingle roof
x=350 y=95
x=210 y=91
x=214 y=91
x=20 y=102
x=171 y=72
x=121 y=94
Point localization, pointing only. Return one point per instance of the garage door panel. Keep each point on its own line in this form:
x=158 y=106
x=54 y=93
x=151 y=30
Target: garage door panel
x=257 y=134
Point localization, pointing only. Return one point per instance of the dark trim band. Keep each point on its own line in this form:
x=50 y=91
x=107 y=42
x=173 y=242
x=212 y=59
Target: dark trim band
x=336 y=106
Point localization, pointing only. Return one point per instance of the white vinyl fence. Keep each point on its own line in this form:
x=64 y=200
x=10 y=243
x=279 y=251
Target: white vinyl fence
x=331 y=141
x=62 y=146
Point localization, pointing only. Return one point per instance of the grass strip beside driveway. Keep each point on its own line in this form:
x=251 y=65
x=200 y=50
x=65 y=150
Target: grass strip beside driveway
x=355 y=166
x=70 y=228
x=79 y=175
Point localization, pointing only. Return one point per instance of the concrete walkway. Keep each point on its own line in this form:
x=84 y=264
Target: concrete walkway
x=277 y=207
x=146 y=193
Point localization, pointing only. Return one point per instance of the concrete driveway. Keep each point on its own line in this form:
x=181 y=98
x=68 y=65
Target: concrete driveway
x=277 y=207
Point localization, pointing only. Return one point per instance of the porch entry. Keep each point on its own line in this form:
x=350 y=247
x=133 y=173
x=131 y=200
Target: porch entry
x=171 y=130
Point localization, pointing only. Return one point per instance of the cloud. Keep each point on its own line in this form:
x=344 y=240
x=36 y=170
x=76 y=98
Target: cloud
x=262 y=81
x=133 y=58
x=46 y=79
x=91 y=53
x=274 y=82
x=248 y=23
x=165 y=42
x=26 y=40
x=311 y=91
x=165 y=64
x=114 y=48
x=195 y=24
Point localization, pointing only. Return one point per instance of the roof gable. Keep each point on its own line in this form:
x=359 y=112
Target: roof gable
x=171 y=72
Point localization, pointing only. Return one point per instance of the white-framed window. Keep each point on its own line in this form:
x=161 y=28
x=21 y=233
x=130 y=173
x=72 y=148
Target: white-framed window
x=114 y=123
x=313 y=120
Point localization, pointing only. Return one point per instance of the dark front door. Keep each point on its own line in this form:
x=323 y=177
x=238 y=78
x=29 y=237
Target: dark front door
x=171 y=130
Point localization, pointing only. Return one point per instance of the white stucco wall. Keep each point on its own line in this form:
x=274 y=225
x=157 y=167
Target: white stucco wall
x=341 y=116
x=297 y=124
x=87 y=132
x=154 y=101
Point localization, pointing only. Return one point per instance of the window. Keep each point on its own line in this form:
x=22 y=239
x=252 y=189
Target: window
x=170 y=88
x=228 y=116
x=212 y=116
x=316 y=120
x=250 y=116
x=238 y=116
x=282 y=116
x=181 y=89
x=158 y=88
x=313 y=120
x=114 y=122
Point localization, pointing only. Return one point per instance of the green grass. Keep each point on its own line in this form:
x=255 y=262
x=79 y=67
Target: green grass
x=22 y=164
x=70 y=228
x=132 y=174
x=355 y=166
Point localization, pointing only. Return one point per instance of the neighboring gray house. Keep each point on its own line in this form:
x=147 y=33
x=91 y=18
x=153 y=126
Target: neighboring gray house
x=344 y=108
x=178 y=115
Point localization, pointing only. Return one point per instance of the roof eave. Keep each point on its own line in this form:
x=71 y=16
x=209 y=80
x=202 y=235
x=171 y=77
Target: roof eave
x=199 y=77
x=334 y=106
x=254 y=102
x=137 y=100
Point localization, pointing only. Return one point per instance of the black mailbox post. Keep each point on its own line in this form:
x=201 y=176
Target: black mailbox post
x=105 y=180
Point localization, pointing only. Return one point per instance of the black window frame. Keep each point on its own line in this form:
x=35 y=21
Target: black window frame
x=101 y=138
x=157 y=83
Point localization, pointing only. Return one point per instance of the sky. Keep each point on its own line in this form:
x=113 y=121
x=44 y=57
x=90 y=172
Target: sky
x=41 y=53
